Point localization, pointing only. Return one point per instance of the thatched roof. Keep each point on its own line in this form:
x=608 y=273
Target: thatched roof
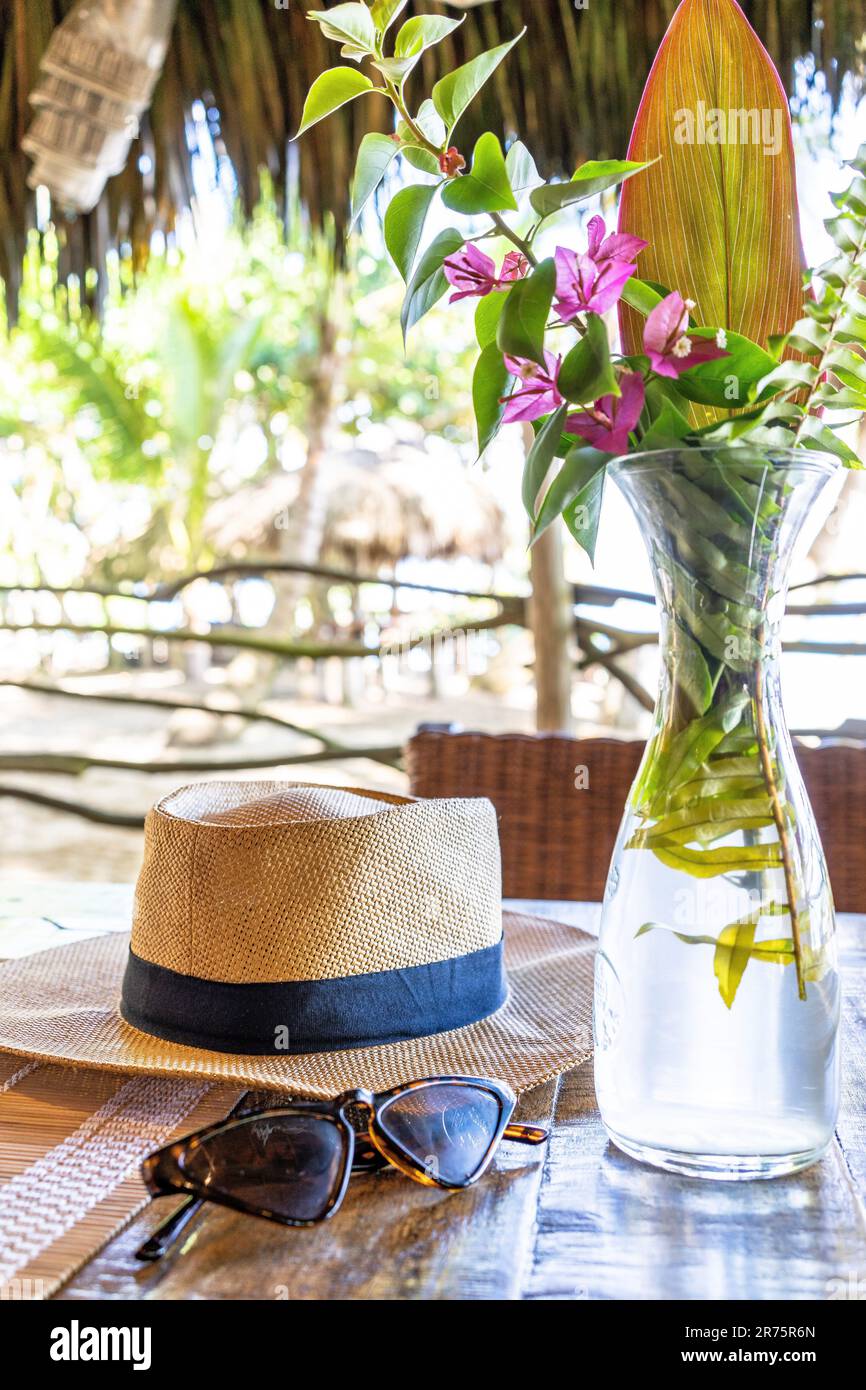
x=571 y=89
x=380 y=509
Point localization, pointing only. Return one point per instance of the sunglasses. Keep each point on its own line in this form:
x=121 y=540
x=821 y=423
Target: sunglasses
x=292 y=1163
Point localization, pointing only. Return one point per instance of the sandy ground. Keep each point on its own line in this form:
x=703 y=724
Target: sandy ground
x=41 y=844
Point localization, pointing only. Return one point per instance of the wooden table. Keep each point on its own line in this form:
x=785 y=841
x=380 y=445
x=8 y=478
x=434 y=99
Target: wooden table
x=577 y=1220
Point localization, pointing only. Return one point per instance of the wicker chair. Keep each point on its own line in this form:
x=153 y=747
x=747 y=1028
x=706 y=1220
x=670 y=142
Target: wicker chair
x=557 y=839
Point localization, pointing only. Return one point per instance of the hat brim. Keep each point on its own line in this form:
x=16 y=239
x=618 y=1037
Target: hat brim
x=61 y=1006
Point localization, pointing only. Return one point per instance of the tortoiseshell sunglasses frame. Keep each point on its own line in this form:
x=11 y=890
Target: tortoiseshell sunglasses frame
x=163 y=1170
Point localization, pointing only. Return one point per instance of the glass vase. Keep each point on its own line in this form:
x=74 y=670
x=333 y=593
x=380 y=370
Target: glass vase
x=716 y=992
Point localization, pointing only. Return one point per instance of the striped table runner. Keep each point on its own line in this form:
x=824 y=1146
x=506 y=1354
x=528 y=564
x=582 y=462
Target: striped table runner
x=71 y=1142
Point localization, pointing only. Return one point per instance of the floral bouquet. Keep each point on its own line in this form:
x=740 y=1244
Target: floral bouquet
x=721 y=408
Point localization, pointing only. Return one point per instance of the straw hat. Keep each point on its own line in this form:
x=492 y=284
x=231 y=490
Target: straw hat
x=312 y=939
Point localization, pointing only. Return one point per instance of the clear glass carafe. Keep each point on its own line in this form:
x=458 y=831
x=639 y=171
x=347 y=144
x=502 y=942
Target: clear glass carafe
x=717 y=994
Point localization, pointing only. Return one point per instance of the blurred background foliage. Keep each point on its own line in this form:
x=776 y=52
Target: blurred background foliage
x=209 y=377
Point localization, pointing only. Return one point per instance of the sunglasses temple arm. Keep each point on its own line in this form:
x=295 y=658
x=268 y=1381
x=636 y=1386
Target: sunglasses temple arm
x=167 y=1232
x=526 y=1134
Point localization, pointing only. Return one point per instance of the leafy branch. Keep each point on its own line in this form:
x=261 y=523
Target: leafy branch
x=711 y=772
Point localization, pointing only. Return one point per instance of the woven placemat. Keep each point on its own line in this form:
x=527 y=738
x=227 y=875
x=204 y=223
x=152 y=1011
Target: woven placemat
x=71 y=1142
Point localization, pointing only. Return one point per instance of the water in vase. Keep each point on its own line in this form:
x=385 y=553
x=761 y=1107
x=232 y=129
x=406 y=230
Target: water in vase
x=717 y=994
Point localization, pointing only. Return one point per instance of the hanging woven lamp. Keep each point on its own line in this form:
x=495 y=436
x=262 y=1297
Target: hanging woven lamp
x=97 y=77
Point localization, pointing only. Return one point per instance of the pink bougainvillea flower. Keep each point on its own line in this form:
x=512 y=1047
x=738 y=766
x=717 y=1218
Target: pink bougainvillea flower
x=514 y=267
x=585 y=286
x=617 y=247
x=593 y=283
x=668 y=344
x=536 y=392
x=608 y=424
x=472 y=273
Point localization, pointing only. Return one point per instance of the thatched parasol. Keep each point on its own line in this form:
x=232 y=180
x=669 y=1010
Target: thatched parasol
x=380 y=508
x=251 y=64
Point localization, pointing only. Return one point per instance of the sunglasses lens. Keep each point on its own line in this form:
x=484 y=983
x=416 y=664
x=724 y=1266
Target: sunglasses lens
x=289 y=1165
x=446 y=1127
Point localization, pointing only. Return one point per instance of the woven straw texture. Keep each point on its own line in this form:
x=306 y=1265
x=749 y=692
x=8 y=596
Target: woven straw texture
x=61 y=1005
x=71 y=1142
x=557 y=841
x=249 y=882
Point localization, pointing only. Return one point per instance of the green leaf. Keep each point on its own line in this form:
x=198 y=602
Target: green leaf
x=583 y=513
x=587 y=373
x=732 y=956
x=723 y=777
x=395 y=69
x=487 y=316
x=693 y=676
x=777 y=410
x=702 y=821
x=490 y=384
x=853 y=197
x=523 y=173
x=841 y=398
x=566 y=441
x=680 y=935
x=540 y=457
x=453 y=93
x=709 y=863
x=807 y=336
x=524 y=319
x=786 y=376
x=428 y=283
x=486 y=188
x=689 y=748
x=415 y=37
x=717 y=629
x=847 y=234
x=404 y=224
x=727 y=382
x=848 y=366
x=573 y=486
x=734 y=948
x=835 y=273
x=329 y=92
x=591 y=178
x=384 y=12
x=421 y=159
x=814 y=432
x=351 y=25
x=641 y=296
x=668 y=428
x=422 y=32
x=375 y=155
x=852 y=329
x=859 y=160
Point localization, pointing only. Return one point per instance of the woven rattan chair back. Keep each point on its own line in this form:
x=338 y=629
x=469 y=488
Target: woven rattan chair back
x=559 y=801
x=835 y=777
x=556 y=835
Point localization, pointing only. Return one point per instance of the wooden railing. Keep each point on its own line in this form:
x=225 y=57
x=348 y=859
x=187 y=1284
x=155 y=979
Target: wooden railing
x=598 y=644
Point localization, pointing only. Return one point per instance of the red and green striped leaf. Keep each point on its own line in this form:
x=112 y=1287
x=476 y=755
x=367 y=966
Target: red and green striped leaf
x=721 y=218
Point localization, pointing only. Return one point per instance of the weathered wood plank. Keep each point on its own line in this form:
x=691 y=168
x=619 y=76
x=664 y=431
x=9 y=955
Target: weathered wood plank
x=851 y=1126
x=611 y=1228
